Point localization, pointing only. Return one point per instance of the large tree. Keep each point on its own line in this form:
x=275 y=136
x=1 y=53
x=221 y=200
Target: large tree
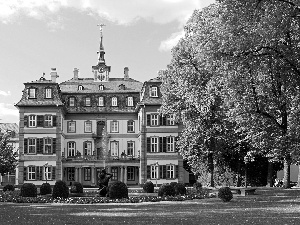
x=8 y=157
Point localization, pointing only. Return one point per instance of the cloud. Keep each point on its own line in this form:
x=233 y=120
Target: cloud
x=8 y=110
x=119 y=11
x=5 y=93
x=169 y=43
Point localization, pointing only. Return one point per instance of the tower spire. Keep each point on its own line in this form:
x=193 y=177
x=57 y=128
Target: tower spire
x=101 y=51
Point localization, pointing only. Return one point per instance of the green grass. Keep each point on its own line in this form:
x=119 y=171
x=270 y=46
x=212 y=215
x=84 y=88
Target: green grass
x=268 y=206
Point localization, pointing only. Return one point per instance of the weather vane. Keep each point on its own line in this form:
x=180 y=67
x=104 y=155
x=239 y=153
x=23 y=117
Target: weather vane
x=101 y=26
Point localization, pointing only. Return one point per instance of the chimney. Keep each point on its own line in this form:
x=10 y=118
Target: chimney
x=76 y=72
x=126 y=76
x=53 y=75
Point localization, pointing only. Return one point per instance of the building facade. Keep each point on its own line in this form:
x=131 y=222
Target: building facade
x=72 y=130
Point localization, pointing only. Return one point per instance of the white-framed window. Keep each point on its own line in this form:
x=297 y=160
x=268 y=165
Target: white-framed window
x=87 y=173
x=71 y=126
x=48 y=121
x=72 y=101
x=31 y=93
x=71 y=148
x=153 y=92
x=114 y=148
x=114 y=172
x=154 y=119
x=47 y=173
x=32 y=121
x=114 y=126
x=130 y=173
x=130 y=148
x=48 y=93
x=170 y=120
x=170 y=144
x=87 y=101
x=154 y=144
x=87 y=148
x=129 y=101
x=71 y=173
x=47 y=145
x=101 y=101
x=170 y=171
x=31 y=145
x=114 y=101
x=31 y=172
x=80 y=87
x=101 y=87
x=154 y=172
x=87 y=126
x=130 y=126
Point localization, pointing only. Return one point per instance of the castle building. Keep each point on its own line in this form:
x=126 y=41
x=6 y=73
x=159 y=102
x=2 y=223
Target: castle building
x=72 y=130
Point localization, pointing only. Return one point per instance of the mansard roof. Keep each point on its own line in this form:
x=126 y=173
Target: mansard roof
x=111 y=86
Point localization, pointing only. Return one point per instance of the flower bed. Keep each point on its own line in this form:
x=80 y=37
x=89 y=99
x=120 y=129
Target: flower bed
x=14 y=196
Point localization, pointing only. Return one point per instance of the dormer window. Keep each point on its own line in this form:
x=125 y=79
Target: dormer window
x=48 y=92
x=101 y=87
x=121 y=87
x=129 y=101
x=31 y=93
x=153 y=91
x=80 y=88
x=114 y=101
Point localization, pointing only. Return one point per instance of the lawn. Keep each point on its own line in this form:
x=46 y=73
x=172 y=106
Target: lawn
x=268 y=206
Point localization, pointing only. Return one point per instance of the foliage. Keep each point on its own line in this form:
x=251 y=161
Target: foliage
x=8 y=157
x=197 y=186
x=166 y=190
x=180 y=189
x=28 y=190
x=45 y=189
x=8 y=187
x=148 y=187
x=76 y=188
x=225 y=194
x=60 y=190
x=118 y=190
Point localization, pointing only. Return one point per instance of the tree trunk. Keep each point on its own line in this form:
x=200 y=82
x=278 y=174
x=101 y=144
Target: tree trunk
x=270 y=182
x=286 y=172
x=239 y=180
x=211 y=169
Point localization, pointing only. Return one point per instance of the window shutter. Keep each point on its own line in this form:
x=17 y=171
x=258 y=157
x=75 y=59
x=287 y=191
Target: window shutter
x=148 y=172
x=39 y=171
x=175 y=144
x=39 y=145
x=164 y=171
x=25 y=149
x=53 y=173
x=40 y=120
x=164 y=149
x=161 y=172
x=54 y=121
x=148 y=120
x=84 y=149
x=160 y=144
x=148 y=144
x=176 y=171
x=25 y=173
x=25 y=121
x=53 y=145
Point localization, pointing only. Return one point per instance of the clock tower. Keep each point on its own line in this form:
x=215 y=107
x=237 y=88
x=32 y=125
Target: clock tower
x=101 y=70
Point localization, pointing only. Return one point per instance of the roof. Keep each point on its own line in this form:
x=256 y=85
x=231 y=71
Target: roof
x=9 y=127
x=111 y=86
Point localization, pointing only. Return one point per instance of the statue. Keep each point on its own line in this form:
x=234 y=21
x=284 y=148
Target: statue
x=103 y=183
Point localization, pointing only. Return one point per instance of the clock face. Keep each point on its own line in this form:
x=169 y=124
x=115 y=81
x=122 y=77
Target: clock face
x=101 y=69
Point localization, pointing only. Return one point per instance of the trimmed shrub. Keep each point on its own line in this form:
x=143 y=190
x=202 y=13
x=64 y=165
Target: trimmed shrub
x=148 y=187
x=28 y=190
x=9 y=187
x=180 y=189
x=60 y=189
x=166 y=190
x=225 y=194
x=76 y=188
x=45 y=189
x=118 y=190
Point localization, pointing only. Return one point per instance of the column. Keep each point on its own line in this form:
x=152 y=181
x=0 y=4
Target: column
x=125 y=175
x=122 y=173
x=76 y=174
x=93 y=175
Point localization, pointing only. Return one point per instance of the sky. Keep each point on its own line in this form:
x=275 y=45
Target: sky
x=37 y=35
